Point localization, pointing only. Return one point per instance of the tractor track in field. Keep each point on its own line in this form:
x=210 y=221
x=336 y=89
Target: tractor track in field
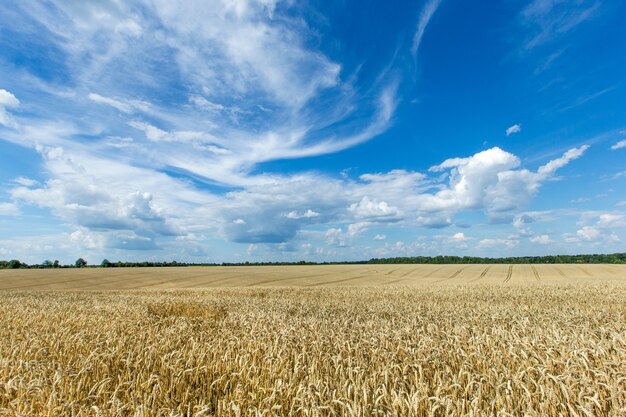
x=509 y=274
x=408 y=273
x=271 y=281
x=535 y=273
x=454 y=275
x=319 y=284
x=482 y=274
x=189 y=277
x=404 y=279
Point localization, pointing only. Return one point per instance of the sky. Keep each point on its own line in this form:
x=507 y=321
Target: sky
x=267 y=130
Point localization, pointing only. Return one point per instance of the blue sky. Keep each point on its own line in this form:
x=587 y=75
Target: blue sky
x=265 y=130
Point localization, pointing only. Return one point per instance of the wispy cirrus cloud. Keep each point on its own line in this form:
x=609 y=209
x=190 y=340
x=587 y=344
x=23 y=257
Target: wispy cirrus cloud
x=429 y=9
x=547 y=20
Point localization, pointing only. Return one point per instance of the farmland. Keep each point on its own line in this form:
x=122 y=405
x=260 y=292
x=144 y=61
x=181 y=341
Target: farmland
x=346 y=340
x=305 y=276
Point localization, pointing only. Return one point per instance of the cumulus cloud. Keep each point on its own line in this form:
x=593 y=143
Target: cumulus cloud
x=619 y=145
x=541 y=240
x=588 y=233
x=611 y=220
x=335 y=237
x=516 y=128
x=489 y=180
x=599 y=227
x=380 y=236
x=460 y=236
x=374 y=210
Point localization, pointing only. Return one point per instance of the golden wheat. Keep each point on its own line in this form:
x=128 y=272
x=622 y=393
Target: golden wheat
x=303 y=276
x=439 y=350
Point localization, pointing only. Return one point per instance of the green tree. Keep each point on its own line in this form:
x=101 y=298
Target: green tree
x=80 y=262
x=15 y=264
x=105 y=263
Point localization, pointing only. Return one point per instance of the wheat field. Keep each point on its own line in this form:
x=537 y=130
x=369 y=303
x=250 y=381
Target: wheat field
x=305 y=276
x=350 y=340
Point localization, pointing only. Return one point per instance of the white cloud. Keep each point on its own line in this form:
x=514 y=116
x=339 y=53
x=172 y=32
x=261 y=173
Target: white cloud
x=488 y=180
x=600 y=227
x=374 y=210
x=7 y=101
x=460 y=236
x=551 y=167
x=306 y=215
x=541 y=240
x=619 y=145
x=380 y=237
x=516 y=128
x=611 y=220
x=356 y=229
x=335 y=237
x=588 y=233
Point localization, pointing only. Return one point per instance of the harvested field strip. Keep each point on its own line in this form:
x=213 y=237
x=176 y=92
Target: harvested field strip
x=584 y=271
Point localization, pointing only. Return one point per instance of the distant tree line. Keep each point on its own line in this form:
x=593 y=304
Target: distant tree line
x=613 y=258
